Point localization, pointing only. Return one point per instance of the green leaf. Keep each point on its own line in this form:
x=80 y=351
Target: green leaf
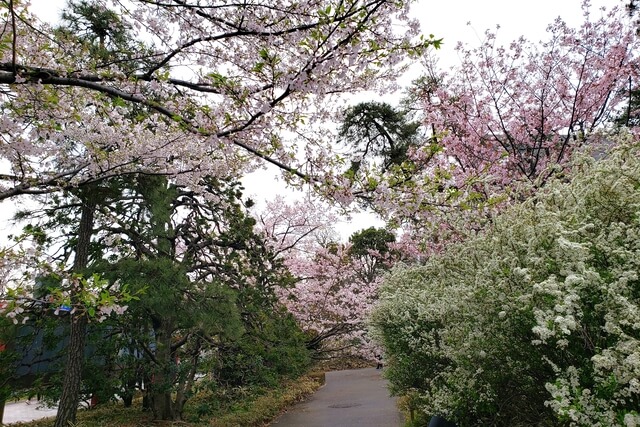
x=258 y=67
x=118 y=102
x=218 y=78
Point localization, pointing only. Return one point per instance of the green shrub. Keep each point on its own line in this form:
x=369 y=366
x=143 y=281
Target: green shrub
x=536 y=321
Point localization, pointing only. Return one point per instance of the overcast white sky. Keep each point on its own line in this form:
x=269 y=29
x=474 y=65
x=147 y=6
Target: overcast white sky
x=447 y=19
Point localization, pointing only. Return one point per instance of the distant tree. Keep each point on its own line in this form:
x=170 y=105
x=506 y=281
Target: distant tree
x=107 y=38
x=377 y=133
x=373 y=247
x=630 y=116
x=335 y=283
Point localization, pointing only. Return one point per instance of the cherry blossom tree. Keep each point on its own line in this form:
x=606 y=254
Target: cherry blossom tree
x=336 y=283
x=520 y=108
x=215 y=86
x=331 y=300
x=506 y=115
x=297 y=227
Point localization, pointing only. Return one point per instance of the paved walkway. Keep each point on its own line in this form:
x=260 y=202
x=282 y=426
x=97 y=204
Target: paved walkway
x=352 y=398
x=26 y=411
x=349 y=398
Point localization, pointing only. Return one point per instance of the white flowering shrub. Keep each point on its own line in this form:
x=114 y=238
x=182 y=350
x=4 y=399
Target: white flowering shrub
x=535 y=321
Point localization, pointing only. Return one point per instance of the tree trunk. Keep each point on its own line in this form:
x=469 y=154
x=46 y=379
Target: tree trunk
x=163 y=375
x=2 y=402
x=129 y=388
x=185 y=385
x=163 y=406
x=68 y=405
x=146 y=392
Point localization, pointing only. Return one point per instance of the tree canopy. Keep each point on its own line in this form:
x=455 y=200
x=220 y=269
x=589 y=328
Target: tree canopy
x=216 y=86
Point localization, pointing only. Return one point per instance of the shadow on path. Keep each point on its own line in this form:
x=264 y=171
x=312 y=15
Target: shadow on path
x=351 y=398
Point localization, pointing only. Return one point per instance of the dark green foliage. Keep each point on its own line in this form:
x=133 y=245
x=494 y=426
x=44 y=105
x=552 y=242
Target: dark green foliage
x=272 y=347
x=207 y=285
x=8 y=358
x=371 y=247
x=106 y=37
x=36 y=353
x=376 y=130
x=371 y=239
x=95 y=24
x=631 y=115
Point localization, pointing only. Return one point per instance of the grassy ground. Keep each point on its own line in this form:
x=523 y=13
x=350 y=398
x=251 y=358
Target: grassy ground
x=255 y=408
x=339 y=364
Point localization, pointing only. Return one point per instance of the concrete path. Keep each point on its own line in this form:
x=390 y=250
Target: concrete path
x=350 y=398
x=26 y=411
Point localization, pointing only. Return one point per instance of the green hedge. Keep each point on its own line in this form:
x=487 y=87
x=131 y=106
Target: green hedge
x=535 y=321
